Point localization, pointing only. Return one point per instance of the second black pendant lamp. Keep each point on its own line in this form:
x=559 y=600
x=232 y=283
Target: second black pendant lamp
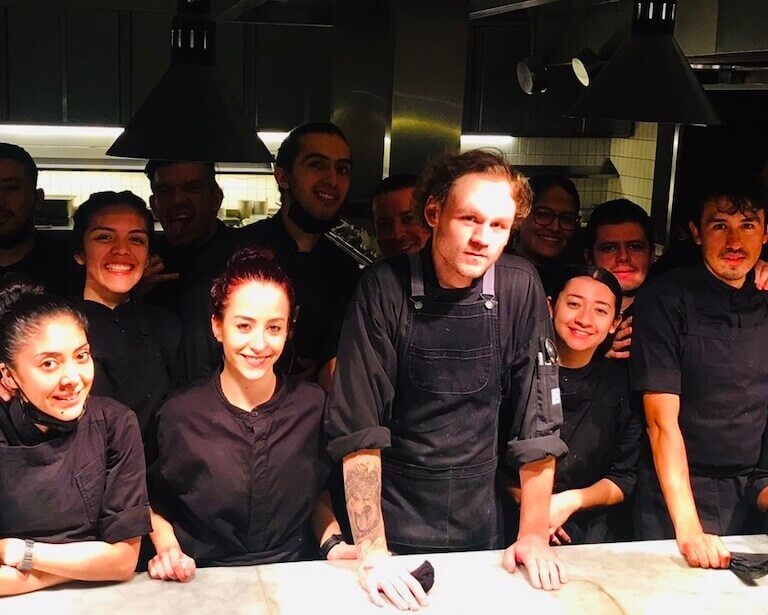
x=648 y=79
x=190 y=115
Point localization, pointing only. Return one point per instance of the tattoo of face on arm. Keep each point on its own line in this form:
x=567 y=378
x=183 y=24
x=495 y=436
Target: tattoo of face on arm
x=363 y=487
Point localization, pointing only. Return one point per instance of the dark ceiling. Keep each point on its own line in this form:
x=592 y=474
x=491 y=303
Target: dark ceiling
x=320 y=12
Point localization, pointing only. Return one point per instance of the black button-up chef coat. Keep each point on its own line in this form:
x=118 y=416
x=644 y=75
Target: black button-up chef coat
x=88 y=484
x=239 y=487
x=120 y=355
x=599 y=427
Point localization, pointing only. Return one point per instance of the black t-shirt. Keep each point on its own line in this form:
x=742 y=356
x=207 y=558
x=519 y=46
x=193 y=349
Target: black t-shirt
x=239 y=487
x=599 y=427
x=364 y=387
x=89 y=484
x=660 y=321
x=189 y=299
x=122 y=369
x=323 y=280
x=50 y=262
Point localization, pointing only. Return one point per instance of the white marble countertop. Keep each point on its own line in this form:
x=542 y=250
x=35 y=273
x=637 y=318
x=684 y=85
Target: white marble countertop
x=631 y=578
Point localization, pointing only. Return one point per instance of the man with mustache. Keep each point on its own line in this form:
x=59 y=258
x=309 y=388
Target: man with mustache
x=699 y=357
x=192 y=251
x=444 y=354
x=22 y=249
x=313 y=169
x=398 y=227
x=619 y=238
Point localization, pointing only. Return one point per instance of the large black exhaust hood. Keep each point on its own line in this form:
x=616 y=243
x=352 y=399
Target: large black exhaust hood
x=190 y=114
x=648 y=79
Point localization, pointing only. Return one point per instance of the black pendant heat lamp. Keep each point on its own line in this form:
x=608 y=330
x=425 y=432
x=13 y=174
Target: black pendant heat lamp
x=648 y=79
x=190 y=115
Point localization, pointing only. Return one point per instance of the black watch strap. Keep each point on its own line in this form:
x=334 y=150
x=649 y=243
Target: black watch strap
x=25 y=565
x=332 y=541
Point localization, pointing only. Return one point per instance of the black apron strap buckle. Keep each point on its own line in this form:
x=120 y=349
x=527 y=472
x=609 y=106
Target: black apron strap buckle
x=417 y=281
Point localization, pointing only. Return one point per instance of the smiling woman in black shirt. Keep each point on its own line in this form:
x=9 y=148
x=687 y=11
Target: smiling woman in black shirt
x=241 y=464
x=134 y=344
x=73 y=499
x=600 y=429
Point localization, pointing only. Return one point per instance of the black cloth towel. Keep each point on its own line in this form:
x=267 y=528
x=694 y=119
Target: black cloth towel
x=749 y=566
x=425 y=575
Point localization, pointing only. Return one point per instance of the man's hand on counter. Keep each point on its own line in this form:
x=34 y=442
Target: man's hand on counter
x=154 y=275
x=380 y=572
x=704 y=551
x=545 y=571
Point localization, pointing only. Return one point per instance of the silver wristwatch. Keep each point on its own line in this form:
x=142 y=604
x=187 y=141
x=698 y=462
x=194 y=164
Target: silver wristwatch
x=26 y=563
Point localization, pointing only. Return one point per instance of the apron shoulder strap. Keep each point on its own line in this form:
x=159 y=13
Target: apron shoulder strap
x=417 y=280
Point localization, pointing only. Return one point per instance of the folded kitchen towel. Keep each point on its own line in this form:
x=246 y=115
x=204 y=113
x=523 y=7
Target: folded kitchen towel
x=425 y=575
x=749 y=566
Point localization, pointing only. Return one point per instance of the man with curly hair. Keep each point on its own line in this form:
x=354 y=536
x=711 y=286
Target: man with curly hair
x=444 y=353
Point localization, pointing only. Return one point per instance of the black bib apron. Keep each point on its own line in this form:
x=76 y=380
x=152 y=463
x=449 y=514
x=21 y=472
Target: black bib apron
x=438 y=477
x=723 y=415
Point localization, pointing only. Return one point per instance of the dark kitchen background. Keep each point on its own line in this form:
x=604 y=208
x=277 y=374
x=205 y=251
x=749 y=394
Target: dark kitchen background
x=404 y=78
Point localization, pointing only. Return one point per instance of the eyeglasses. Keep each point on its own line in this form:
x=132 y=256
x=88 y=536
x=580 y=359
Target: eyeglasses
x=543 y=216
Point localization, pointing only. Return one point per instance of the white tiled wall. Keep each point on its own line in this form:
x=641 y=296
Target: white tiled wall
x=633 y=158
x=80 y=184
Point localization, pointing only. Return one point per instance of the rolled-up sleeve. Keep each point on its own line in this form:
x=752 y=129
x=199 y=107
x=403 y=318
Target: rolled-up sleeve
x=364 y=379
x=532 y=405
x=125 y=506
x=656 y=340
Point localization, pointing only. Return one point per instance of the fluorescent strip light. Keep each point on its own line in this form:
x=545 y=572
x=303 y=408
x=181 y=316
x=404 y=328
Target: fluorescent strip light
x=41 y=130
x=470 y=141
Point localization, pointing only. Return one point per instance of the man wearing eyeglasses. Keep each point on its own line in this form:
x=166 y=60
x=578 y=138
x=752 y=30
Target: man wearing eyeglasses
x=546 y=235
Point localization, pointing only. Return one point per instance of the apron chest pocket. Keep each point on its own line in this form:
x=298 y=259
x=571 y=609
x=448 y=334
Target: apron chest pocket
x=449 y=371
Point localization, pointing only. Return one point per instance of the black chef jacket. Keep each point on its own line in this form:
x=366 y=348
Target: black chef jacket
x=50 y=262
x=239 y=487
x=660 y=325
x=89 y=484
x=189 y=299
x=364 y=390
x=123 y=370
x=323 y=280
x=599 y=427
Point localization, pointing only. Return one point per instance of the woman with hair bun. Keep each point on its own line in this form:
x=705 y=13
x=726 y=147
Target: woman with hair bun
x=134 y=344
x=73 y=497
x=241 y=467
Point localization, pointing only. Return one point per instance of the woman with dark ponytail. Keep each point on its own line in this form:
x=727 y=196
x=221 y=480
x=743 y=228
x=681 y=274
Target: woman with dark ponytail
x=241 y=467
x=73 y=500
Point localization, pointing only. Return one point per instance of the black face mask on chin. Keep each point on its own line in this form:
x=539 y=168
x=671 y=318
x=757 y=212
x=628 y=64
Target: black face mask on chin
x=41 y=418
x=19 y=236
x=308 y=223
